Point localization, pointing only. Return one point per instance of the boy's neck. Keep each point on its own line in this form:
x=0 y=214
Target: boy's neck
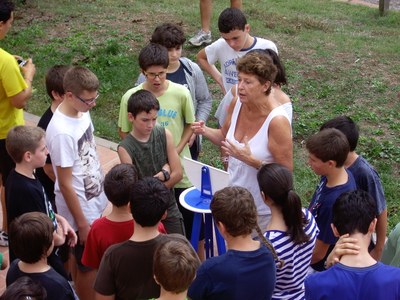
x=140 y=137
x=69 y=110
x=156 y=92
x=40 y=266
x=25 y=169
x=54 y=105
x=363 y=258
x=165 y=295
x=241 y=243
x=337 y=176
x=351 y=158
x=173 y=67
x=249 y=41
x=142 y=234
x=120 y=214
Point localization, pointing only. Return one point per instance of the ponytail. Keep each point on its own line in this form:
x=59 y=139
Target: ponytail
x=294 y=218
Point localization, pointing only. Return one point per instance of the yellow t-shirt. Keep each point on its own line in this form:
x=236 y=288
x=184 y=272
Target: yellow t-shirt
x=11 y=83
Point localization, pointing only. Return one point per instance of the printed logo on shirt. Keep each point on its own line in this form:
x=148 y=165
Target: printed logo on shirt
x=93 y=175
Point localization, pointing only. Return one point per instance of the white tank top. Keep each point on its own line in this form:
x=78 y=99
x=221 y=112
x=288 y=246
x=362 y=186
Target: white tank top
x=241 y=174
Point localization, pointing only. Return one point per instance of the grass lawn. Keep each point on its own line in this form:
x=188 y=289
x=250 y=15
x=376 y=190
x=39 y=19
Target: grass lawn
x=340 y=59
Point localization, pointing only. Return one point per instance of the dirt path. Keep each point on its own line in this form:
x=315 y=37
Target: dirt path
x=393 y=5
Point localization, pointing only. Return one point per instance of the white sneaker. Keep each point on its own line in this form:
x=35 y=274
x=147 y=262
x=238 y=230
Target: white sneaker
x=201 y=38
x=3 y=238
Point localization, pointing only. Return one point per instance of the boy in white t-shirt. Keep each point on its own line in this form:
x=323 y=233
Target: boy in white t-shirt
x=235 y=42
x=79 y=179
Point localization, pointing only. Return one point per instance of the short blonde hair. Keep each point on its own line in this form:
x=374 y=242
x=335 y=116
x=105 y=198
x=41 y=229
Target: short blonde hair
x=21 y=139
x=175 y=264
x=79 y=79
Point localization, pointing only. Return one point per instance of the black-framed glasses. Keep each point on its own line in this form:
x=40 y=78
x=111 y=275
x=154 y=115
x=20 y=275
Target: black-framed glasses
x=154 y=75
x=88 y=101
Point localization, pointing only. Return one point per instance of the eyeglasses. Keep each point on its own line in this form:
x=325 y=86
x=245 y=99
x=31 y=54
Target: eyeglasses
x=154 y=75
x=88 y=101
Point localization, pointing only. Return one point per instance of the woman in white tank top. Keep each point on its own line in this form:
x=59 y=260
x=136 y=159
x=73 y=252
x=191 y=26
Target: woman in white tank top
x=257 y=129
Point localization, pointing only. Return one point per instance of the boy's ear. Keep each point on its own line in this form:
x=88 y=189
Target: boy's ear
x=332 y=163
x=221 y=228
x=372 y=226
x=130 y=117
x=335 y=232
x=56 y=96
x=68 y=95
x=27 y=156
x=247 y=28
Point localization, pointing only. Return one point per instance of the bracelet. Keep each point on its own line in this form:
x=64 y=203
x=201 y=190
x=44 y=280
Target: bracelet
x=166 y=174
x=30 y=80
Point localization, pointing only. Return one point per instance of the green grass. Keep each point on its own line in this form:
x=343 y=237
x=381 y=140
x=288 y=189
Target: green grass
x=340 y=59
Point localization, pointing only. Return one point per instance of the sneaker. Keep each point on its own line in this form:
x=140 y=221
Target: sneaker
x=3 y=239
x=201 y=38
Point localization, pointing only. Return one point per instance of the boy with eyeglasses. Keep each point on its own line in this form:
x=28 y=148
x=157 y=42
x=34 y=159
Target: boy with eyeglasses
x=176 y=111
x=79 y=179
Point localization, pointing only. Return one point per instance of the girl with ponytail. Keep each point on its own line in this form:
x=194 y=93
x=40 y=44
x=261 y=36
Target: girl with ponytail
x=292 y=230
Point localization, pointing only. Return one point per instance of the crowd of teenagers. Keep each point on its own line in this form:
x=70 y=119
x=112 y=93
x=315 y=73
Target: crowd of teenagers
x=62 y=244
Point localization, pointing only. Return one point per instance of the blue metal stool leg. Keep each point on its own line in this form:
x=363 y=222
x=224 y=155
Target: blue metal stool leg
x=194 y=240
x=209 y=244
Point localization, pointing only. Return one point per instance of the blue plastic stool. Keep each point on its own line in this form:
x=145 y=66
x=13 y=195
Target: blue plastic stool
x=199 y=202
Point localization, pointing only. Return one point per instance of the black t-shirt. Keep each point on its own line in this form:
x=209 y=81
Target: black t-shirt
x=57 y=287
x=178 y=76
x=47 y=183
x=24 y=194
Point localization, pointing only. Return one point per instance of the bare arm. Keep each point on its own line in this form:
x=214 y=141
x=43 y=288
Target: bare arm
x=210 y=69
x=214 y=135
x=280 y=142
x=67 y=230
x=64 y=176
x=344 y=246
x=124 y=156
x=59 y=237
x=186 y=134
x=121 y=133
x=319 y=251
x=49 y=171
x=19 y=100
x=381 y=227
x=173 y=161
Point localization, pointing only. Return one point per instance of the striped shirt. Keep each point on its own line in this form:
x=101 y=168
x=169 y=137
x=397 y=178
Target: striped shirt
x=290 y=278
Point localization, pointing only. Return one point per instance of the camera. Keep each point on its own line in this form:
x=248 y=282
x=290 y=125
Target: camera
x=21 y=62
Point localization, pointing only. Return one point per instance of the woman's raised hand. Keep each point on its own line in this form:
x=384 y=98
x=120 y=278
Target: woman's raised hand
x=198 y=127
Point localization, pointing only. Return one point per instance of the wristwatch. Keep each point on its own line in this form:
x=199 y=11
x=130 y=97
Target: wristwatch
x=166 y=174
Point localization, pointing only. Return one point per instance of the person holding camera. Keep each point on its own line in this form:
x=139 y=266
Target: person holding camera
x=15 y=91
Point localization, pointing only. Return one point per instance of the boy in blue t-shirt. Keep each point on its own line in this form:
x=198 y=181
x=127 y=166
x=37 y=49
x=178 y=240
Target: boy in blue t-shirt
x=357 y=276
x=328 y=151
x=247 y=270
x=365 y=176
